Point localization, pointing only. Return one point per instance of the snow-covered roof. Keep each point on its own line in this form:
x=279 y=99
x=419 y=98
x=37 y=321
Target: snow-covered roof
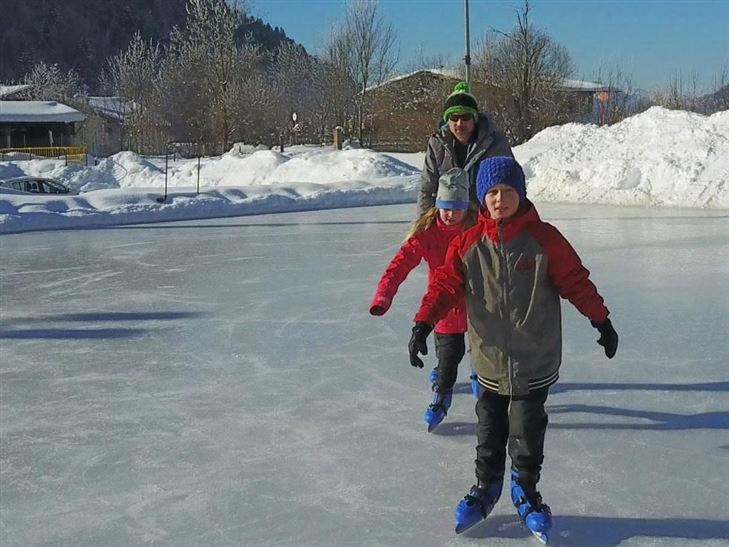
x=581 y=85
x=38 y=111
x=453 y=74
x=117 y=108
x=7 y=90
x=450 y=74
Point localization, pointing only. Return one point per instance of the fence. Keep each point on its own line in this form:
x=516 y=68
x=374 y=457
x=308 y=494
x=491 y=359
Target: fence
x=71 y=154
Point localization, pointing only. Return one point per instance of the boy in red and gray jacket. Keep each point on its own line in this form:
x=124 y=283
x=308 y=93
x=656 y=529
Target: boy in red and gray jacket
x=512 y=268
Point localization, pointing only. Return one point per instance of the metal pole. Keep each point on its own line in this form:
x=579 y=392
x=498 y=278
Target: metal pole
x=167 y=155
x=467 y=58
x=198 y=173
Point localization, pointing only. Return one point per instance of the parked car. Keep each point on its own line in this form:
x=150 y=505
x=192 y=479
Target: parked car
x=36 y=185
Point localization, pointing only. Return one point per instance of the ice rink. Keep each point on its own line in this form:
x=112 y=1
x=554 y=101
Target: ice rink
x=220 y=383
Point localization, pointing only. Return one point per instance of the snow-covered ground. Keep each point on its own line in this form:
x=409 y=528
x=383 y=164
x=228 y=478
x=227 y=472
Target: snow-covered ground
x=657 y=158
x=220 y=383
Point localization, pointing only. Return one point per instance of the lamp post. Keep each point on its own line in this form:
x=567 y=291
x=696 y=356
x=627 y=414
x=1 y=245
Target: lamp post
x=467 y=58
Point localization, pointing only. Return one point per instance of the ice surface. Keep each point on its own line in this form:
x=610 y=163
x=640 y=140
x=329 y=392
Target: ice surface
x=219 y=382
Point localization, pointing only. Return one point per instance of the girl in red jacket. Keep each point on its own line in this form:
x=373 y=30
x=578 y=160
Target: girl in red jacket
x=428 y=239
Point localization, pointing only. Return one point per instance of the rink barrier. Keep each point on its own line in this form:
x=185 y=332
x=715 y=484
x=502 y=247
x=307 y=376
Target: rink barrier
x=70 y=154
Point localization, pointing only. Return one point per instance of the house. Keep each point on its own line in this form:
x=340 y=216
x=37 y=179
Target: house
x=104 y=131
x=38 y=124
x=10 y=92
x=406 y=110
x=589 y=98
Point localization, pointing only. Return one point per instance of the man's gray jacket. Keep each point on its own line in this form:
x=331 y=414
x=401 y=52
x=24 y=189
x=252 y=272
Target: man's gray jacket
x=440 y=157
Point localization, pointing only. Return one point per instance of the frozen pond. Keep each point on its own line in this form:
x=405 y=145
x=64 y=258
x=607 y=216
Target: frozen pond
x=219 y=382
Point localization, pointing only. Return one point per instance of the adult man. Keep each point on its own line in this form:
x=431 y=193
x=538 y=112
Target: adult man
x=463 y=141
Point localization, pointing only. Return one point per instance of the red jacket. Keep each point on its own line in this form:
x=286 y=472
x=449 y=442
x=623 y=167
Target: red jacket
x=512 y=273
x=430 y=245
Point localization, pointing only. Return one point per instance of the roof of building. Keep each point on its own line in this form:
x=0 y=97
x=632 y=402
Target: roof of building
x=453 y=74
x=449 y=74
x=581 y=85
x=38 y=111
x=114 y=107
x=7 y=90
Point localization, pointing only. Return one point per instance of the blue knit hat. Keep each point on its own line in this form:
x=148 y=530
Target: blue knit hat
x=500 y=170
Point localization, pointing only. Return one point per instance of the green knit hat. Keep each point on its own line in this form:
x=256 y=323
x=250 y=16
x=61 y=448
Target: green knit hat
x=460 y=102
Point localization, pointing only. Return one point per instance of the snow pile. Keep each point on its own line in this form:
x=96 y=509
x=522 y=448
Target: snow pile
x=659 y=157
x=128 y=189
x=242 y=166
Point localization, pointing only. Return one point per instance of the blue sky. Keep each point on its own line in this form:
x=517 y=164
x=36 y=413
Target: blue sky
x=649 y=40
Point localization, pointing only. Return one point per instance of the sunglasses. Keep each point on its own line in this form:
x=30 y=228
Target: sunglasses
x=460 y=117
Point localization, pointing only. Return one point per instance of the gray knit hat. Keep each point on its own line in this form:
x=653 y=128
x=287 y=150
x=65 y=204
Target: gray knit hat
x=452 y=190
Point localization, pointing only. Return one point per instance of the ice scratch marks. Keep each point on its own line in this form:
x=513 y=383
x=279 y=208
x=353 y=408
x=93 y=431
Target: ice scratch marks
x=74 y=284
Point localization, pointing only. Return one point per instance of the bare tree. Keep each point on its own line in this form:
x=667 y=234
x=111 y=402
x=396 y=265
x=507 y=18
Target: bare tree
x=337 y=72
x=298 y=80
x=207 y=43
x=529 y=68
x=364 y=48
x=719 y=98
x=49 y=83
x=681 y=92
x=209 y=74
x=721 y=79
x=134 y=75
x=423 y=61
x=623 y=99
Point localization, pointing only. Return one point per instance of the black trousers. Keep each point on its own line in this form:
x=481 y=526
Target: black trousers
x=449 y=349
x=520 y=423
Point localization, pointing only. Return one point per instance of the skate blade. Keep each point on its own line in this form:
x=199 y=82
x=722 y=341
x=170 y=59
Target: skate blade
x=460 y=528
x=433 y=425
x=541 y=536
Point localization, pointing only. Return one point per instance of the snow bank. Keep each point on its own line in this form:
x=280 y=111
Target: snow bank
x=658 y=158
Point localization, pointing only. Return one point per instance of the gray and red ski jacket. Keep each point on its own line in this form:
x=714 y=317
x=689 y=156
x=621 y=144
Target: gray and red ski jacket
x=430 y=245
x=512 y=273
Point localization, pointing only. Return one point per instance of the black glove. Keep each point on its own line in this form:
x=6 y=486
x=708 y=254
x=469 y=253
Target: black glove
x=417 y=343
x=608 y=337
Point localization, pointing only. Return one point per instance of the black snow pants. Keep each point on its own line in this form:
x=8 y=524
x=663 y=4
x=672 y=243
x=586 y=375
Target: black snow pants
x=521 y=423
x=449 y=349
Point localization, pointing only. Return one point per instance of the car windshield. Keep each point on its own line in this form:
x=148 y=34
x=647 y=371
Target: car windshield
x=54 y=188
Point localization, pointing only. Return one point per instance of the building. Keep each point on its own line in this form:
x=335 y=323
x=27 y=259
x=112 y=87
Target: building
x=405 y=111
x=104 y=131
x=11 y=92
x=588 y=99
x=38 y=124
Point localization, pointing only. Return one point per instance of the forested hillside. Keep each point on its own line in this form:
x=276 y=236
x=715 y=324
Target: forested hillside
x=83 y=34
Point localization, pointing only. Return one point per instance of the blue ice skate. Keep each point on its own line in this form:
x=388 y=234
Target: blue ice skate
x=475 y=387
x=433 y=377
x=438 y=409
x=535 y=514
x=477 y=504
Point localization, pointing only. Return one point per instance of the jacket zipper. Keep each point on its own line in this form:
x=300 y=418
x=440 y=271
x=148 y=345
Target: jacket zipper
x=507 y=316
